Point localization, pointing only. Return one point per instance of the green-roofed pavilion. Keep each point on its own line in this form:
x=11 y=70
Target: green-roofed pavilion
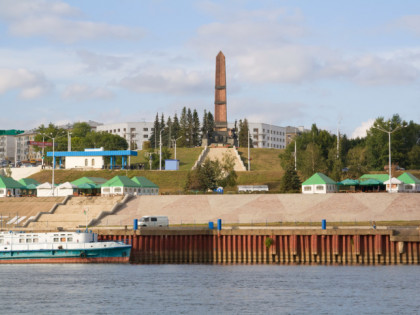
x=97 y=181
x=10 y=187
x=319 y=183
x=90 y=186
x=411 y=182
x=147 y=186
x=120 y=185
x=28 y=181
x=380 y=177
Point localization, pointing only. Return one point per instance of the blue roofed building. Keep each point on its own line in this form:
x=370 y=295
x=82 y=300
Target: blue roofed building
x=91 y=158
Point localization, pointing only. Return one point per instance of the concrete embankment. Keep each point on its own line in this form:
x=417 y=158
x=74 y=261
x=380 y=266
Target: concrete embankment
x=275 y=246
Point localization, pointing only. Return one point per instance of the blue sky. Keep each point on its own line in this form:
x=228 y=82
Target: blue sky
x=332 y=63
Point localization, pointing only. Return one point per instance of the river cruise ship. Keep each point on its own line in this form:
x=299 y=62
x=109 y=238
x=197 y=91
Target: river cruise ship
x=60 y=247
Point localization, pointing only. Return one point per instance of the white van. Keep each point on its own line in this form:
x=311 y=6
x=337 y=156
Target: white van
x=158 y=220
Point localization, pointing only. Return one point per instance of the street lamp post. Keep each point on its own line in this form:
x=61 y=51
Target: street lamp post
x=69 y=141
x=175 y=140
x=389 y=132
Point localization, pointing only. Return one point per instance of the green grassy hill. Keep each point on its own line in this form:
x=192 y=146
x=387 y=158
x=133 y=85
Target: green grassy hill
x=265 y=166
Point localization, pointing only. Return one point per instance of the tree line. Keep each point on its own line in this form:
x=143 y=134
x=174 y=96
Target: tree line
x=188 y=131
x=318 y=150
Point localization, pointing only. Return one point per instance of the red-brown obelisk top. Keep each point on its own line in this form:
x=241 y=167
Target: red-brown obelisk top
x=220 y=112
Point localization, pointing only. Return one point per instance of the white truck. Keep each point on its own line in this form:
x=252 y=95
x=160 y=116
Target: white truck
x=157 y=221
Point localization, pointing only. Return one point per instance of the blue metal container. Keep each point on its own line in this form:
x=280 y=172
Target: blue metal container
x=211 y=225
x=219 y=224
x=136 y=224
x=324 y=224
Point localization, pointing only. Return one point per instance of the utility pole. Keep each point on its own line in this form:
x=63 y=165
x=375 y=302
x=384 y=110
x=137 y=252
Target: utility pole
x=69 y=141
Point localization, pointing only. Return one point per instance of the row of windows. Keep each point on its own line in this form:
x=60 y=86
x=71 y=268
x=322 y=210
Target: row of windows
x=124 y=130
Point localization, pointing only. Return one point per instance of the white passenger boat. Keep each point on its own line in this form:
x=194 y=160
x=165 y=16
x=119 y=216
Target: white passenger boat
x=60 y=247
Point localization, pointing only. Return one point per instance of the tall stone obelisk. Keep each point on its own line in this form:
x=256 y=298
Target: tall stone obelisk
x=220 y=112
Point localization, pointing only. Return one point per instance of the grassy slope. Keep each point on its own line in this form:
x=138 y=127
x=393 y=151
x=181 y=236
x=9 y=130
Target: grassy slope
x=265 y=165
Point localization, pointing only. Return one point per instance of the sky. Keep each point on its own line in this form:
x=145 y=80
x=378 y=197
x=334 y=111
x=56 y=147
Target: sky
x=338 y=64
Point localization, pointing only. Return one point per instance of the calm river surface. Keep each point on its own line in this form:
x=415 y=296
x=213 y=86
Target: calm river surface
x=208 y=289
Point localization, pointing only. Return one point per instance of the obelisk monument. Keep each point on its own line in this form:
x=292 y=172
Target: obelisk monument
x=220 y=112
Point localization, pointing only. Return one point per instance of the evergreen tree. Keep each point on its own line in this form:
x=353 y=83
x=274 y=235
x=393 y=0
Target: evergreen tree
x=204 y=128
x=290 y=182
x=196 y=138
x=169 y=133
x=190 y=141
x=183 y=123
x=154 y=137
x=176 y=128
x=210 y=126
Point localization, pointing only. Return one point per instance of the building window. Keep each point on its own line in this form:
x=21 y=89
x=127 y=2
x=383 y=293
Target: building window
x=93 y=162
x=118 y=129
x=145 y=136
x=307 y=188
x=86 y=162
x=319 y=187
x=145 y=129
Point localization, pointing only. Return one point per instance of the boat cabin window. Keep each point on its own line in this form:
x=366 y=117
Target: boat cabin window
x=21 y=240
x=55 y=239
x=69 y=239
x=29 y=240
x=35 y=240
x=63 y=239
x=1 y=241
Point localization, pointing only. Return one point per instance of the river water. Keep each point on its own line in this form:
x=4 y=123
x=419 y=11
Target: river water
x=208 y=289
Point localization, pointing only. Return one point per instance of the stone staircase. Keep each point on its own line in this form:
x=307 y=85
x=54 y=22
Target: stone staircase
x=72 y=214
x=217 y=153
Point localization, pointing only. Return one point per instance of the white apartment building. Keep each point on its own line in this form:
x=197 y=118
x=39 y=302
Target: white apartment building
x=7 y=148
x=266 y=135
x=137 y=132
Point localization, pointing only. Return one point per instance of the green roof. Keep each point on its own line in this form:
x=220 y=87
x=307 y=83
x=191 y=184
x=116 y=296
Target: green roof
x=349 y=182
x=120 y=181
x=408 y=178
x=319 y=179
x=97 y=181
x=371 y=182
x=8 y=182
x=28 y=181
x=144 y=182
x=380 y=177
x=88 y=186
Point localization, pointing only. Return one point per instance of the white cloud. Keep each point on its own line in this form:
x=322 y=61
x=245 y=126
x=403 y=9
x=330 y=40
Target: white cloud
x=31 y=84
x=173 y=81
x=361 y=131
x=83 y=92
x=56 y=20
x=97 y=62
x=268 y=46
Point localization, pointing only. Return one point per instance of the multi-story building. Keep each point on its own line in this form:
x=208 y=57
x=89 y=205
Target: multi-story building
x=292 y=132
x=8 y=144
x=266 y=135
x=24 y=151
x=134 y=132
